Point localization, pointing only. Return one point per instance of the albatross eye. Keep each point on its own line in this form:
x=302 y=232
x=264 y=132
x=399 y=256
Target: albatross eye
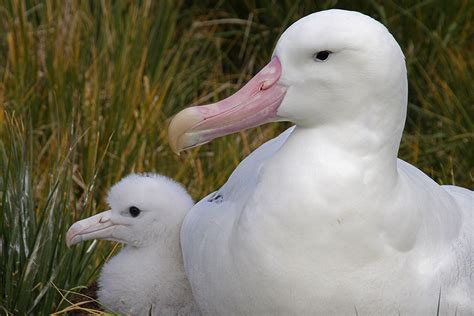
x=134 y=211
x=322 y=55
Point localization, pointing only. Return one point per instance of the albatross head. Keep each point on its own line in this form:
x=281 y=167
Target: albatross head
x=330 y=67
x=143 y=209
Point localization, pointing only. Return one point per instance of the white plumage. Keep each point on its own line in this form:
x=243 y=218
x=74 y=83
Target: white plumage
x=147 y=276
x=324 y=219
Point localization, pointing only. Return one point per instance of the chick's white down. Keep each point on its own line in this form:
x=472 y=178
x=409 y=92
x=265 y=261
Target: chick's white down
x=147 y=275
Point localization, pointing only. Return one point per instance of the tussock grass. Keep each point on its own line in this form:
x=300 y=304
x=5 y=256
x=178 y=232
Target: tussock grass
x=87 y=87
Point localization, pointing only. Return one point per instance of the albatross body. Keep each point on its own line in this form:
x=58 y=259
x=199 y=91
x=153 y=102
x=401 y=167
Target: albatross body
x=324 y=219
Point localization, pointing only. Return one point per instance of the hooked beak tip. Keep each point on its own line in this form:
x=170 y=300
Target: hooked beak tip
x=70 y=236
x=182 y=123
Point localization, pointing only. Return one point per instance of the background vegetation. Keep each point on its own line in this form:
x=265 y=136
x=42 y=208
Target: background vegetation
x=87 y=88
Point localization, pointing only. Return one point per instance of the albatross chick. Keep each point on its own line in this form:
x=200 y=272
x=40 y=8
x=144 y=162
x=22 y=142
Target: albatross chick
x=147 y=275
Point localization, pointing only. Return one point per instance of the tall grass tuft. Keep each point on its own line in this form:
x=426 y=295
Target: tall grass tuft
x=87 y=87
x=86 y=90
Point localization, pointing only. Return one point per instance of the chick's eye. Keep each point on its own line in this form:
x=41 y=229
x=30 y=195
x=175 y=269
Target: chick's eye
x=322 y=55
x=134 y=211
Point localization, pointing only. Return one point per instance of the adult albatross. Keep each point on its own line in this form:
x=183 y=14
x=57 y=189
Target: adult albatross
x=324 y=219
x=147 y=276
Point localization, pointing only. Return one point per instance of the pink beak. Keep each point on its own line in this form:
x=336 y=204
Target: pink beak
x=98 y=226
x=254 y=104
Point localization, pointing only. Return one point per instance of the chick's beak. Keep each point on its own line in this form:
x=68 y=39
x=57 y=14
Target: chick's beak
x=98 y=226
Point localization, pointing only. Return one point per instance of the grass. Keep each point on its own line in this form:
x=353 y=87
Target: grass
x=87 y=88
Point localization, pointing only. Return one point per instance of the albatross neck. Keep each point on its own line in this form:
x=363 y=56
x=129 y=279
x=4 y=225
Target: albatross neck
x=347 y=150
x=163 y=244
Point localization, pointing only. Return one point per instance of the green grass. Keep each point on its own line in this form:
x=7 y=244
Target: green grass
x=87 y=88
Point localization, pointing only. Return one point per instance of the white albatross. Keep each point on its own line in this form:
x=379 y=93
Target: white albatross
x=324 y=219
x=147 y=276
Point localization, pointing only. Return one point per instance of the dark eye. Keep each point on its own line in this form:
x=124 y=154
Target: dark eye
x=322 y=55
x=134 y=211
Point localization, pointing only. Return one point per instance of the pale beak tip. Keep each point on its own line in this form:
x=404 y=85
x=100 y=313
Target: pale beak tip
x=179 y=126
x=173 y=137
x=174 y=148
x=69 y=243
x=174 y=145
x=69 y=240
x=71 y=236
